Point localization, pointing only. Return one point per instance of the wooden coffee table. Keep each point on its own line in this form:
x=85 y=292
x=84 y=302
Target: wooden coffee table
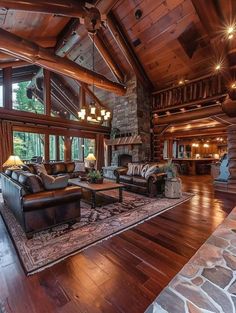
x=95 y=188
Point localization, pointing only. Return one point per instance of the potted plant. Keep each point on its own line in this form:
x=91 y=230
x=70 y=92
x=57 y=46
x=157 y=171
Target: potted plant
x=173 y=184
x=170 y=170
x=95 y=177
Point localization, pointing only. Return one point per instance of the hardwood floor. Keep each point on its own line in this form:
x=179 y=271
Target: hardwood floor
x=123 y=274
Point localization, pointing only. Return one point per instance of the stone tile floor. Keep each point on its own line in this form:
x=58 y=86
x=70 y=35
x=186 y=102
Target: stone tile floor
x=207 y=283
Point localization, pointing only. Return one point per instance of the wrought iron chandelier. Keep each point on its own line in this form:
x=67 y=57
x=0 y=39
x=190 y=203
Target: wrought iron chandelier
x=90 y=112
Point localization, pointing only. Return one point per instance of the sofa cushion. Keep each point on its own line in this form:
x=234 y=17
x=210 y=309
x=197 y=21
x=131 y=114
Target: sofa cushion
x=40 y=168
x=44 y=199
x=139 y=181
x=31 y=182
x=126 y=179
x=9 y=172
x=48 y=168
x=25 y=167
x=16 y=173
x=58 y=168
x=53 y=183
x=31 y=168
x=70 y=167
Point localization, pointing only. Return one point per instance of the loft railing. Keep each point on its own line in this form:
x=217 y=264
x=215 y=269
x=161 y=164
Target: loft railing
x=207 y=88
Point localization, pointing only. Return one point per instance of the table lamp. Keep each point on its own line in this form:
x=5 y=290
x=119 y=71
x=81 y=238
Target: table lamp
x=13 y=162
x=92 y=160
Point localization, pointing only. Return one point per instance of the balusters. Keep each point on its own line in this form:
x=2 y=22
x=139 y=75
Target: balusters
x=197 y=90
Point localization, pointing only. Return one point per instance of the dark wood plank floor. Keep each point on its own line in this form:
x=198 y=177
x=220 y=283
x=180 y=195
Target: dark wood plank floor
x=123 y=274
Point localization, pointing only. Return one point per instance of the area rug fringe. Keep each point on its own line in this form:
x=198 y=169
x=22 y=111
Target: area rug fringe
x=103 y=239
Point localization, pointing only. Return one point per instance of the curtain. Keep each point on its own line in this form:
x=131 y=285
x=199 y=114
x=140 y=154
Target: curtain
x=6 y=142
x=100 y=151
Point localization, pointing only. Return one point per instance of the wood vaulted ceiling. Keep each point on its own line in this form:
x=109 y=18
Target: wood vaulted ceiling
x=169 y=39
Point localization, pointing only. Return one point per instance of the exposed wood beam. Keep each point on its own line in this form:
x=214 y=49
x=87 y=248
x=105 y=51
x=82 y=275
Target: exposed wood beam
x=47 y=91
x=212 y=18
x=69 y=8
x=200 y=132
x=104 y=6
x=207 y=15
x=43 y=129
x=82 y=96
x=7 y=91
x=68 y=38
x=13 y=64
x=32 y=53
x=196 y=102
x=14 y=115
x=107 y=57
x=188 y=116
x=93 y=96
x=126 y=48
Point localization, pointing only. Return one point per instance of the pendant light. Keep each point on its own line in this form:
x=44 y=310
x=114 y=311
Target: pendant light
x=91 y=113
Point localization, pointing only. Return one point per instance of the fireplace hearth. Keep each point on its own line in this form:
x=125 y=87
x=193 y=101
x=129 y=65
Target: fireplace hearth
x=124 y=159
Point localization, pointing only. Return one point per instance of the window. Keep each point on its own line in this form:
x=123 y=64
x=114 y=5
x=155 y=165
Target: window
x=20 y=100
x=28 y=145
x=1 y=96
x=77 y=148
x=89 y=146
x=61 y=147
x=52 y=148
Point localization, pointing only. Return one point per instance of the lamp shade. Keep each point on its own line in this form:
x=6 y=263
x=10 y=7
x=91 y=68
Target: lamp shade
x=90 y=157
x=13 y=160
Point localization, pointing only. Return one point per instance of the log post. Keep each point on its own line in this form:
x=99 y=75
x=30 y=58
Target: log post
x=7 y=90
x=231 y=130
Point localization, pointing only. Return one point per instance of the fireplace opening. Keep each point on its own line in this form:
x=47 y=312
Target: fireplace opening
x=124 y=159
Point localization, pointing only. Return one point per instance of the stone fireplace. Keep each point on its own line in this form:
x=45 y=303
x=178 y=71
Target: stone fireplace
x=131 y=115
x=124 y=159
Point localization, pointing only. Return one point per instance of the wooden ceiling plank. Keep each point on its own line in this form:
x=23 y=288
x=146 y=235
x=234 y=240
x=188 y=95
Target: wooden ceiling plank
x=32 y=53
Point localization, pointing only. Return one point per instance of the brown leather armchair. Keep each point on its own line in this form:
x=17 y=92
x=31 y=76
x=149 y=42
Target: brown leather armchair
x=36 y=208
x=152 y=186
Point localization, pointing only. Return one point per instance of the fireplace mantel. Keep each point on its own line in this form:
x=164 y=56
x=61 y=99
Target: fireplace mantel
x=125 y=141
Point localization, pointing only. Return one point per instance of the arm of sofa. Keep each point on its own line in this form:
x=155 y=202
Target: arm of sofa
x=156 y=184
x=120 y=171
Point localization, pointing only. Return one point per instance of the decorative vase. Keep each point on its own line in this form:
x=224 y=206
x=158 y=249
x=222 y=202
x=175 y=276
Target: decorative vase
x=173 y=188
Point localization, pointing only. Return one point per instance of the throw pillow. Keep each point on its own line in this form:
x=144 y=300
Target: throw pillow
x=152 y=169
x=79 y=167
x=31 y=182
x=134 y=169
x=40 y=168
x=144 y=170
x=130 y=169
x=52 y=183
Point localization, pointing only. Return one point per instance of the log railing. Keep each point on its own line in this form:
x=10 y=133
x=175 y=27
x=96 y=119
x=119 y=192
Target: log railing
x=207 y=88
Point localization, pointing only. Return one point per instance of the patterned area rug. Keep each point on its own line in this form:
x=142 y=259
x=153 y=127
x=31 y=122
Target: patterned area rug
x=51 y=246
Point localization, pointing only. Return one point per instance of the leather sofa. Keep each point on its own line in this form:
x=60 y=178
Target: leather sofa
x=57 y=168
x=151 y=186
x=34 y=207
